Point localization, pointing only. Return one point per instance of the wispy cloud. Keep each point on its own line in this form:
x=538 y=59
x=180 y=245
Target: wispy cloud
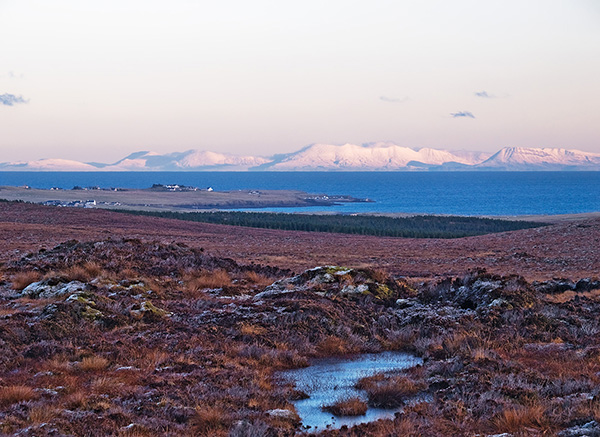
x=392 y=100
x=11 y=100
x=13 y=75
x=462 y=114
x=485 y=95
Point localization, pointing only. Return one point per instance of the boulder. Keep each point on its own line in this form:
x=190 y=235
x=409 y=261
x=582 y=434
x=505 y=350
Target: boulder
x=47 y=289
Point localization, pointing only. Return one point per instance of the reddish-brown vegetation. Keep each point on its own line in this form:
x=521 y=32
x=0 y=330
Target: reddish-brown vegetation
x=389 y=391
x=23 y=279
x=16 y=393
x=139 y=349
x=567 y=249
x=353 y=406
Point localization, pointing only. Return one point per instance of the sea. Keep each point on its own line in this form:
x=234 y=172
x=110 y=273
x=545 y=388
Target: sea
x=458 y=193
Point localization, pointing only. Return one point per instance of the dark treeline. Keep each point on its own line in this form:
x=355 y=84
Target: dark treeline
x=422 y=226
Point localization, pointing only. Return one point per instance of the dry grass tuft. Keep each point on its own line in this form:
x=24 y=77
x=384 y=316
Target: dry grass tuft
x=93 y=364
x=332 y=345
x=379 y=275
x=106 y=386
x=209 y=420
x=353 y=406
x=152 y=359
x=258 y=279
x=249 y=329
x=82 y=273
x=23 y=279
x=389 y=391
x=76 y=273
x=215 y=279
x=42 y=414
x=16 y=393
x=77 y=400
x=515 y=420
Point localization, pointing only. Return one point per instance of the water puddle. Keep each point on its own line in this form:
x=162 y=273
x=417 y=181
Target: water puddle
x=329 y=379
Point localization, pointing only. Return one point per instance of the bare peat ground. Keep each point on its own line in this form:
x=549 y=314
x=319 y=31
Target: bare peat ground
x=113 y=324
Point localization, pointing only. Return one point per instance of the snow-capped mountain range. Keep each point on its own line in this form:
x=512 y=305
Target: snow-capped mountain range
x=349 y=157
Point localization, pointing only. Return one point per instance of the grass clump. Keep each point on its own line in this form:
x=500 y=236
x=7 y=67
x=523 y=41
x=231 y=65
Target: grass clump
x=517 y=419
x=352 y=406
x=16 y=393
x=23 y=279
x=208 y=280
x=209 y=420
x=385 y=391
x=94 y=364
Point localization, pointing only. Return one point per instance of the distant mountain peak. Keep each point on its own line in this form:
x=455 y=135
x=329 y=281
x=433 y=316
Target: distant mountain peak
x=539 y=158
x=376 y=156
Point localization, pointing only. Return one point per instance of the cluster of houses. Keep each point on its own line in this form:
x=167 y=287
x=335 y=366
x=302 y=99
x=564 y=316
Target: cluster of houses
x=175 y=187
x=79 y=203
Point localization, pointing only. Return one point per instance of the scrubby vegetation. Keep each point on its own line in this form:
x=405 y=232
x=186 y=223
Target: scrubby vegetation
x=422 y=226
x=389 y=391
x=124 y=337
x=353 y=406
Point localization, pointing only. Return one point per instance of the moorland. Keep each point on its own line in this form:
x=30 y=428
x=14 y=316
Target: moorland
x=117 y=324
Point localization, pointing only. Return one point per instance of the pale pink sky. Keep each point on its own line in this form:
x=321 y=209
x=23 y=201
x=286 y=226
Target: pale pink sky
x=103 y=79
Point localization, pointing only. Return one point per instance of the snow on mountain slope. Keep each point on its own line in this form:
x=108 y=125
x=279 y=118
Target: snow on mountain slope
x=376 y=156
x=522 y=158
x=197 y=158
x=373 y=156
x=48 y=165
x=471 y=156
x=189 y=160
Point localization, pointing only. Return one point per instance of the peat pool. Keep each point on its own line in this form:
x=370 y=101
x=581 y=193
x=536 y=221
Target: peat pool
x=329 y=379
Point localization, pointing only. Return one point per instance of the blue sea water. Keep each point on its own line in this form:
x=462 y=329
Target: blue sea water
x=461 y=193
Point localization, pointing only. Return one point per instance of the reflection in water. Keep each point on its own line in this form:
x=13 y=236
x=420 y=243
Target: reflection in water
x=330 y=379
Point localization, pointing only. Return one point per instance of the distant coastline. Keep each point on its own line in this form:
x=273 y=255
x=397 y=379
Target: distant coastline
x=451 y=193
x=171 y=198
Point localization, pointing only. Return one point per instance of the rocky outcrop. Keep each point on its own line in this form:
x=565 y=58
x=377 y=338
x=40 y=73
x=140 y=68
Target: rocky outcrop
x=51 y=288
x=341 y=281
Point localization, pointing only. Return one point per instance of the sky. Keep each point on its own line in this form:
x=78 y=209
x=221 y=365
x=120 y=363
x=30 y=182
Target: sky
x=95 y=81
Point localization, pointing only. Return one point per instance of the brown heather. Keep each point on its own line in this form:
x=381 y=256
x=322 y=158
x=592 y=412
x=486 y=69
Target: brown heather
x=210 y=420
x=23 y=279
x=521 y=419
x=258 y=279
x=389 y=391
x=347 y=407
x=215 y=279
x=501 y=353
x=42 y=414
x=13 y=394
x=93 y=364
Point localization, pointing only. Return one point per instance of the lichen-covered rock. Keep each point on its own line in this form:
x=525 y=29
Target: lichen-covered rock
x=80 y=297
x=283 y=414
x=340 y=281
x=51 y=288
x=591 y=428
x=587 y=284
x=481 y=290
x=147 y=310
x=554 y=286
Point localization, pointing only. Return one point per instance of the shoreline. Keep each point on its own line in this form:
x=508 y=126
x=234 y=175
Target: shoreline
x=202 y=200
x=172 y=198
